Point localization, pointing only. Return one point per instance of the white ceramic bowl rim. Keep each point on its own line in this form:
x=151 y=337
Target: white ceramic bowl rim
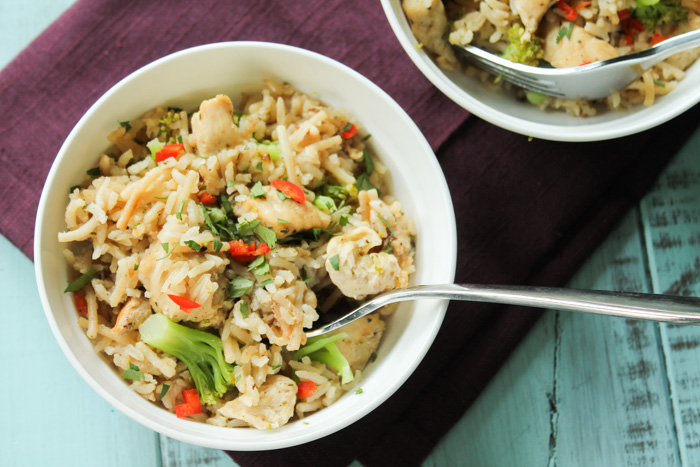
x=411 y=331
x=504 y=111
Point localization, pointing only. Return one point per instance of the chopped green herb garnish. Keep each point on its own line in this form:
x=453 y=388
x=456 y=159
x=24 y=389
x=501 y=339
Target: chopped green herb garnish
x=81 y=281
x=369 y=164
x=239 y=286
x=217 y=245
x=73 y=188
x=367 y=137
x=358 y=391
x=387 y=226
x=565 y=31
x=163 y=391
x=661 y=84
x=274 y=367
x=388 y=250
x=168 y=251
x=259 y=165
x=266 y=282
x=245 y=311
x=95 y=172
x=266 y=235
x=178 y=214
x=346 y=127
x=344 y=219
x=281 y=195
x=334 y=262
x=126 y=125
x=194 y=245
x=257 y=191
x=136 y=267
x=282 y=221
x=179 y=139
x=162 y=197
x=133 y=373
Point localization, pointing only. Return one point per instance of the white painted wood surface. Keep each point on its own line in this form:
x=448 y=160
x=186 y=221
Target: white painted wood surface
x=580 y=390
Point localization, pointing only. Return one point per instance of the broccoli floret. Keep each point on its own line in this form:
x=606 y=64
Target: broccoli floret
x=202 y=352
x=653 y=13
x=528 y=52
x=322 y=349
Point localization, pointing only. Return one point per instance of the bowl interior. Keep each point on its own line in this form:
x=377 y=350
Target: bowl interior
x=186 y=78
x=503 y=110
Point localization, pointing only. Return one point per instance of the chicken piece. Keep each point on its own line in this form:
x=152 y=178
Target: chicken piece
x=271 y=209
x=133 y=313
x=278 y=394
x=581 y=48
x=362 y=341
x=430 y=26
x=213 y=126
x=360 y=273
x=531 y=12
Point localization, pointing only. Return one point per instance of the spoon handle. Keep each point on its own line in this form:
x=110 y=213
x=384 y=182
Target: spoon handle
x=666 y=308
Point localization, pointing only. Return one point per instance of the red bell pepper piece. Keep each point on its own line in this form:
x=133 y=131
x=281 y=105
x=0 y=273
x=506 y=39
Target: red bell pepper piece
x=169 y=150
x=306 y=389
x=185 y=304
x=191 y=406
x=290 y=189
x=349 y=133
x=206 y=198
x=657 y=37
x=80 y=302
x=569 y=13
x=245 y=252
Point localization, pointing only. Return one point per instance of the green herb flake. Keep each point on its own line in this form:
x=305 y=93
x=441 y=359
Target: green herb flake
x=358 y=391
x=344 y=219
x=281 y=195
x=257 y=191
x=239 y=286
x=274 y=367
x=194 y=245
x=166 y=248
x=81 y=281
x=259 y=166
x=282 y=221
x=565 y=31
x=178 y=214
x=660 y=84
x=163 y=391
x=95 y=172
x=334 y=262
x=369 y=164
x=133 y=373
x=73 y=188
x=136 y=267
x=126 y=125
x=265 y=282
x=387 y=225
x=245 y=311
x=266 y=235
x=388 y=250
x=162 y=197
x=346 y=127
x=217 y=245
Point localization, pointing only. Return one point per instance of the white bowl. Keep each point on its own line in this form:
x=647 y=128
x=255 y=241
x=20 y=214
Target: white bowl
x=184 y=79
x=503 y=110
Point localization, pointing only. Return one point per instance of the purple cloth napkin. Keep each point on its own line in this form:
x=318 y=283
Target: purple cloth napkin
x=528 y=212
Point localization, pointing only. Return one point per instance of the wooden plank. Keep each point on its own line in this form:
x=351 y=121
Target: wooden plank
x=50 y=415
x=613 y=406
x=580 y=390
x=671 y=215
x=177 y=454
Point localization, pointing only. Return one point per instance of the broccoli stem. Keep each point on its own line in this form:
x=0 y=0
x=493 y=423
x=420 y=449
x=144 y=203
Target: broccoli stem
x=200 y=351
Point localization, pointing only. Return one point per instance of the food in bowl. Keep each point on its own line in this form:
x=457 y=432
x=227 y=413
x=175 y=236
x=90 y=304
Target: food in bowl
x=563 y=33
x=204 y=243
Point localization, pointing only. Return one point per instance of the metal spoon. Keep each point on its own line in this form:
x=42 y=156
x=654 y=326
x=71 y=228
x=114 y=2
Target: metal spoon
x=592 y=81
x=666 y=308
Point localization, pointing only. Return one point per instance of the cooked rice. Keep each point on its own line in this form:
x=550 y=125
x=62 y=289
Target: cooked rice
x=485 y=24
x=136 y=222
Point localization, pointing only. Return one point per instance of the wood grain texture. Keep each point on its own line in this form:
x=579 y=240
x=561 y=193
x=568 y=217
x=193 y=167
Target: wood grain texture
x=671 y=215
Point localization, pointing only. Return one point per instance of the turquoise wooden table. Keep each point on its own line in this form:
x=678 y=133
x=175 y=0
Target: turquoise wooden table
x=580 y=389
